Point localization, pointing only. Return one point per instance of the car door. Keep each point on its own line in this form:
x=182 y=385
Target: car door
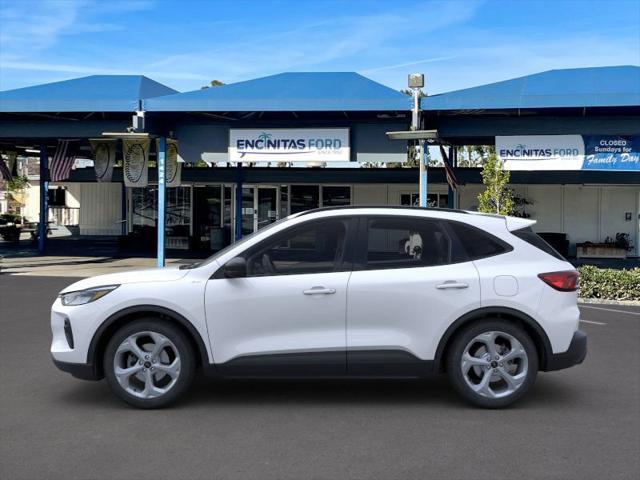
x=287 y=316
x=410 y=282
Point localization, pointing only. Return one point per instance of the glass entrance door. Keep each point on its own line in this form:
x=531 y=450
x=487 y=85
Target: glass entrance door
x=260 y=207
x=267 y=206
x=248 y=210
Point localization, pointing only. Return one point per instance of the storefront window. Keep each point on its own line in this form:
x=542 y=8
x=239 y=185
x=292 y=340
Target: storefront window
x=228 y=202
x=144 y=214
x=178 y=219
x=336 y=196
x=434 y=200
x=144 y=208
x=409 y=199
x=284 y=201
x=207 y=218
x=304 y=197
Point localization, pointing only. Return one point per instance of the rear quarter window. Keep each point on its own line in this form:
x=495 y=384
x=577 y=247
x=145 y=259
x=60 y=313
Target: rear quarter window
x=532 y=238
x=477 y=243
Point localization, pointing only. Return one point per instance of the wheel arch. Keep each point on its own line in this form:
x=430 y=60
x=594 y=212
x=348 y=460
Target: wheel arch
x=530 y=325
x=127 y=315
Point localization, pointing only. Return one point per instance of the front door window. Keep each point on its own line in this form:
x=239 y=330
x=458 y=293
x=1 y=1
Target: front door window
x=314 y=248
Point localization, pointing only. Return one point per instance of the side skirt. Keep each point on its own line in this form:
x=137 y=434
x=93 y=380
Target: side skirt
x=324 y=365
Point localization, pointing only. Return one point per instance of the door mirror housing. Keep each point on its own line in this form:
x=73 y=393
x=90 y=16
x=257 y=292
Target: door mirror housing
x=235 y=268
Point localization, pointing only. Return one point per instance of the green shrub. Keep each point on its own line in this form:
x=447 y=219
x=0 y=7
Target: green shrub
x=609 y=284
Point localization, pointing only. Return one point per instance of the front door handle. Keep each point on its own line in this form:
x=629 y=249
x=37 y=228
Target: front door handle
x=320 y=291
x=451 y=284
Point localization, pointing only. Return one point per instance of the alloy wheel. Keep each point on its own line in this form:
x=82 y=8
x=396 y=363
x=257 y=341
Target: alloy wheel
x=494 y=364
x=147 y=364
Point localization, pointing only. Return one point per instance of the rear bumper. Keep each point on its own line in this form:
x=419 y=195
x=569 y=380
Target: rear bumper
x=575 y=354
x=83 y=371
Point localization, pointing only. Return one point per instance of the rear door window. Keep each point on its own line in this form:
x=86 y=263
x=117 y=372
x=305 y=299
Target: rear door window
x=407 y=242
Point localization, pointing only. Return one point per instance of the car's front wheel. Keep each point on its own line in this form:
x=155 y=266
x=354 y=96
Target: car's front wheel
x=149 y=363
x=492 y=363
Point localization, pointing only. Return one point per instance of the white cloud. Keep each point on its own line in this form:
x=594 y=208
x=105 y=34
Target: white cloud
x=89 y=70
x=31 y=27
x=408 y=64
x=436 y=37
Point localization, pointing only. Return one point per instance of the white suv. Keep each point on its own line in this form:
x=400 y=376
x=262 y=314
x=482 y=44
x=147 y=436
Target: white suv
x=338 y=292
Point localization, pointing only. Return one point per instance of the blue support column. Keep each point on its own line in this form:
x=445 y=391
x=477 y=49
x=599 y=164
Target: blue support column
x=238 y=225
x=423 y=173
x=44 y=199
x=162 y=191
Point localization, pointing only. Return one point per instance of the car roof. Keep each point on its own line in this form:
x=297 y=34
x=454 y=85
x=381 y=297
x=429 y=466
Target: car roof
x=381 y=207
x=478 y=219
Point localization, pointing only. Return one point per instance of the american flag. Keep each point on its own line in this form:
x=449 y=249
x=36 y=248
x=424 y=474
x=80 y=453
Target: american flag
x=5 y=173
x=62 y=161
x=451 y=176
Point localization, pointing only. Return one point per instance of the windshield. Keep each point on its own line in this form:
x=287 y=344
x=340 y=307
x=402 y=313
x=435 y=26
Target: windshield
x=240 y=242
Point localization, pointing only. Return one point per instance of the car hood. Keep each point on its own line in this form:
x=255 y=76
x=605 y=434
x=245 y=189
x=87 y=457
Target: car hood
x=168 y=274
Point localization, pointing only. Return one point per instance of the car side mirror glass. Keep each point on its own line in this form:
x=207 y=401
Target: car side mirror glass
x=235 y=268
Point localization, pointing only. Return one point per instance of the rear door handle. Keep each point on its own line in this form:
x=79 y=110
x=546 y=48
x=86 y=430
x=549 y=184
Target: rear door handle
x=320 y=291
x=452 y=284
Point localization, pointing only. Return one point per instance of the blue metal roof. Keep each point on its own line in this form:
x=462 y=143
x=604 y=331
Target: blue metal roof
x=298 y=92
x=96 y=93
x=577 y=87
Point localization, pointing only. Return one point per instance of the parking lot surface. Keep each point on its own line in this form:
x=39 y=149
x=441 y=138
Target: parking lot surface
x=581 y=423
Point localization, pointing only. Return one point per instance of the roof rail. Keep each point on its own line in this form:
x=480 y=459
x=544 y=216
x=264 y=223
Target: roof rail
x=393 y=207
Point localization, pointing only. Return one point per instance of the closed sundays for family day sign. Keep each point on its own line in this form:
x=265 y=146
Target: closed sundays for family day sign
x=289 y=145
x=569 y=152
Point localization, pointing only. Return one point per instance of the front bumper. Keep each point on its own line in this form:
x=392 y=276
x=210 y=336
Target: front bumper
x=574 y=355
x=83 y=371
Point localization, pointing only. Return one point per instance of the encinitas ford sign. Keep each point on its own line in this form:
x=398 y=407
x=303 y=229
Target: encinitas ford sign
x=289 y=145
x=569 y=152
x=541 y=152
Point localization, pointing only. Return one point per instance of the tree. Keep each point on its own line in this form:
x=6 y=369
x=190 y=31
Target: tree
x=213 y=83
x=497 y=197
x=474 y=155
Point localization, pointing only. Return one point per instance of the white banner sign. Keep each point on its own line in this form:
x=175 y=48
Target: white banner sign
x=104 y=157
x=289 y=145
x=136 y=162
x=541 y=152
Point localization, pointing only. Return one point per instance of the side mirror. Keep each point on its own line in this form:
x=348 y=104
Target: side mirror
x=235 y=268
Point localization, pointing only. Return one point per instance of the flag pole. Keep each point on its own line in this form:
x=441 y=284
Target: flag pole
x=44 y=199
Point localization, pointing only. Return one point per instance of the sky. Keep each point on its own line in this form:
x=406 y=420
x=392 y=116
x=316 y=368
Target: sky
x=185 y=44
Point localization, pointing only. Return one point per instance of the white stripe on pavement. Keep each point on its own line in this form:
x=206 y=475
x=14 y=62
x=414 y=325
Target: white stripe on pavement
x=609 y=309
x=591 y=321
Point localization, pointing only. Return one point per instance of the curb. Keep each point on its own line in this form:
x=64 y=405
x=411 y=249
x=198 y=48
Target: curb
x=600 y=301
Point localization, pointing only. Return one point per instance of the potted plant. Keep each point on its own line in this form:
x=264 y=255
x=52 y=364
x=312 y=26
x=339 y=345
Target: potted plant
x=611 y=247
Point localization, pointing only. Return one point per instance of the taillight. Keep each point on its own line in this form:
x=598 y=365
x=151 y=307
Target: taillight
x=562 y=281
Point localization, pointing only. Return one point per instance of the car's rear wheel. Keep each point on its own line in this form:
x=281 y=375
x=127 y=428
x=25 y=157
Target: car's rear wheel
x=492 y=363
x=149 y=363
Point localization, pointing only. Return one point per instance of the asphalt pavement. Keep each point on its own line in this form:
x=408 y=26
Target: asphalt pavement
x=580 y=423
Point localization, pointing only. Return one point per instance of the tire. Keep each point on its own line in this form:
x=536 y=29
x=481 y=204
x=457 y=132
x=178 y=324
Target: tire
x=512 y=369
x=149 y=363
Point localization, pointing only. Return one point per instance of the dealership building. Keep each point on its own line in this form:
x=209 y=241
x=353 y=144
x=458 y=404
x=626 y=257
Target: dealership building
x=243 y=155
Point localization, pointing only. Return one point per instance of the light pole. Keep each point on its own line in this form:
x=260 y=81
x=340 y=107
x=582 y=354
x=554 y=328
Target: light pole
x=416 y=83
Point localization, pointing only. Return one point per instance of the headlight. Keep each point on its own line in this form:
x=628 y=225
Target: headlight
x=85 y=296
